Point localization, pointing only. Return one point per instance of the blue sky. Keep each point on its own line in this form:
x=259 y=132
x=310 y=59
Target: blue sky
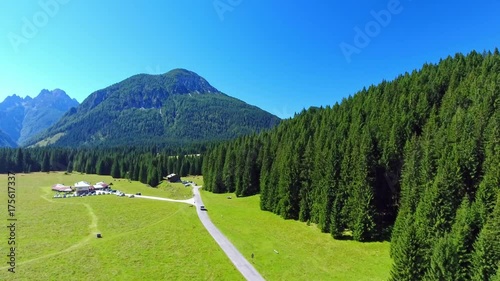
x=282 y=56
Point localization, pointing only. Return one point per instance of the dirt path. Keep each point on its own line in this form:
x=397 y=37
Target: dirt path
x=92 y=228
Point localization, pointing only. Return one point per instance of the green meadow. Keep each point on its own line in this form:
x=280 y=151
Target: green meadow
x=303 y=252
x=142 y=239
x=156 y=240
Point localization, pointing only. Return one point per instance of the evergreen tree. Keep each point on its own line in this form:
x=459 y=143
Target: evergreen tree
x=143 y=172
x=444 y=262
x=3 y=161
x=45 y=163
x=486 y=253
x=228 y=170
x=305 y=171
x=152 y=179
x=363 y=224
x=70 y=167
x=408 y=264
x=101 y=169
x=18 y=166
x=410 y=192
x=115 y=170
x=463 y=235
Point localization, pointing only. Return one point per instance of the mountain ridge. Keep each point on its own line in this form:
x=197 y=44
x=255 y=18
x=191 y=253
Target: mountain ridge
x=175 y=106
x=21 y=118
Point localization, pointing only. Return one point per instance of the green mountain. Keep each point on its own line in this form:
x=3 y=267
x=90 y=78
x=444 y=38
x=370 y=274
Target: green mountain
x=174 y=108
x=22 y=118
x=415 y=160
x=6 y=141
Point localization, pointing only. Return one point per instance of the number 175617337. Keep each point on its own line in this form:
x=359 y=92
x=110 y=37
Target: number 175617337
x=11 y=193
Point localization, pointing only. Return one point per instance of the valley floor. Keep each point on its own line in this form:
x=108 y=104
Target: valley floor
x=56 y=238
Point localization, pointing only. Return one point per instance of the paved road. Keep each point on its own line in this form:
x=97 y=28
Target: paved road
x=188 y=201
x=246 y=268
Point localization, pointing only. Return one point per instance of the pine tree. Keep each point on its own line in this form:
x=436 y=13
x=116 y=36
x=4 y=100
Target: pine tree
x=251 y=173
x=490 y=184
x=246 y=175
x=90 y=165
x=70 y=167
x=115 y=169
x=46 y=163
x=3 y=161
x=55 y=165
x=170 y=165
x=228 y=170
x=218 y=167
x=143 y=171
x=100 y=167
x=463 y=235
x=134 y=171
x=305 y=171
x=152 y=178
x=444 y=262
x=239 y=171
x=265 y=172
x=323 y=192
x=486 y=253
x=410 y=190
x=408 y=264
x=18 y=166
x=363 y=224
x=192 y=167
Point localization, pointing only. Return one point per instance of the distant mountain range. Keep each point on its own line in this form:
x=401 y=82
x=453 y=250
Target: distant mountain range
x=173 y=108
x=21 y=119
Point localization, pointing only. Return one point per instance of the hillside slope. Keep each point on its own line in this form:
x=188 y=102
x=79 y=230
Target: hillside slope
x=419 y=155
x=6 y=141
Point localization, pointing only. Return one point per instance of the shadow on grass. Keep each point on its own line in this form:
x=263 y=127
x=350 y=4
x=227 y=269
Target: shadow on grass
x=344 y=238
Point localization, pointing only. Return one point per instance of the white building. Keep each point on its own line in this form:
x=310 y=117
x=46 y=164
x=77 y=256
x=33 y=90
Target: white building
x=82 y=186
x=101 y=185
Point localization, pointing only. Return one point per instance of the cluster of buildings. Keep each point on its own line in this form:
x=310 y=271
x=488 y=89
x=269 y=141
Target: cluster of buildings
x=80 y=187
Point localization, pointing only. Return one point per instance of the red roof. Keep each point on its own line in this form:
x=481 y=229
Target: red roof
x=60 y=187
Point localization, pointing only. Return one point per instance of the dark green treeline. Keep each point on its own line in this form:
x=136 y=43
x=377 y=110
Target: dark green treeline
x=148 y=166
x=417 y=158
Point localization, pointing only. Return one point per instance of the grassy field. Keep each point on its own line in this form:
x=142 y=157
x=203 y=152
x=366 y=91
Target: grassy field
x=142 y=239
x=165 y=189
x=155 y=240
x=304 y=253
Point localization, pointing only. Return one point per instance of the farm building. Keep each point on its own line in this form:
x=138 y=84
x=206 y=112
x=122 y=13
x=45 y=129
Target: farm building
x=173 y=178
x=101 y=185
x=61 y=188
x=82 y=187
